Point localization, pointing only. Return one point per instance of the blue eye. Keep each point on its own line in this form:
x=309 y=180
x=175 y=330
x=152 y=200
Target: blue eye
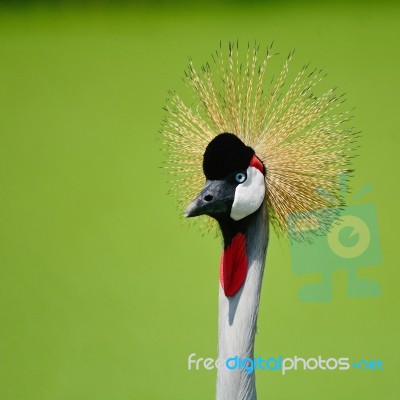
x=240 y=177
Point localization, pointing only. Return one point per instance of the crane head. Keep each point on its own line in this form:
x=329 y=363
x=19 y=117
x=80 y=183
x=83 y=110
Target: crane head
x=235 y=180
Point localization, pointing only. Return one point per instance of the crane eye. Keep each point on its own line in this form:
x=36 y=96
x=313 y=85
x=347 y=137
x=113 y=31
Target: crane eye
x=240 y=177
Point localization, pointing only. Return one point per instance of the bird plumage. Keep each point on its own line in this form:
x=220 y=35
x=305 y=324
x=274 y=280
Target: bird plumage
x=303 y=139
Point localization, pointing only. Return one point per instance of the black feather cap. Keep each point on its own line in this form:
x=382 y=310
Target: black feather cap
x=226 y=154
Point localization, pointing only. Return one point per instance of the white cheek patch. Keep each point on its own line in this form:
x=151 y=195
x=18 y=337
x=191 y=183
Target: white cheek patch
x=249 y=195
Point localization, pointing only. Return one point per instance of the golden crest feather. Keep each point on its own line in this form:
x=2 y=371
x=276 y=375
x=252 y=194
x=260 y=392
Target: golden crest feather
x=302 y=138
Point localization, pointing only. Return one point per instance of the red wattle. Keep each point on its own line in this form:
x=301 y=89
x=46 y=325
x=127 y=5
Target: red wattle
x=233 y=266
x=256 y=163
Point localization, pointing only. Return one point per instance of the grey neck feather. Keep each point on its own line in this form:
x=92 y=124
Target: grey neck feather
x=238 y=316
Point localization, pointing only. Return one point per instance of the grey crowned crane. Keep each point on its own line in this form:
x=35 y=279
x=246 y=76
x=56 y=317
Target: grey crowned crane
x=266 y=151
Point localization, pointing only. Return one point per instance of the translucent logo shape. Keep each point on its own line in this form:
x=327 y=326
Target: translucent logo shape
x=358 y=227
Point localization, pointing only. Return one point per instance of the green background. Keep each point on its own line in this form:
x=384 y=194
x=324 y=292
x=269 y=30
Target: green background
x=104 y=289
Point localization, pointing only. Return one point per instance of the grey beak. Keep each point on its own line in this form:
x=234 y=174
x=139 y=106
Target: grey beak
x=215 y=198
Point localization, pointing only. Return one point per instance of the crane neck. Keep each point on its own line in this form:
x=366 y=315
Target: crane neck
x=238 y=313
